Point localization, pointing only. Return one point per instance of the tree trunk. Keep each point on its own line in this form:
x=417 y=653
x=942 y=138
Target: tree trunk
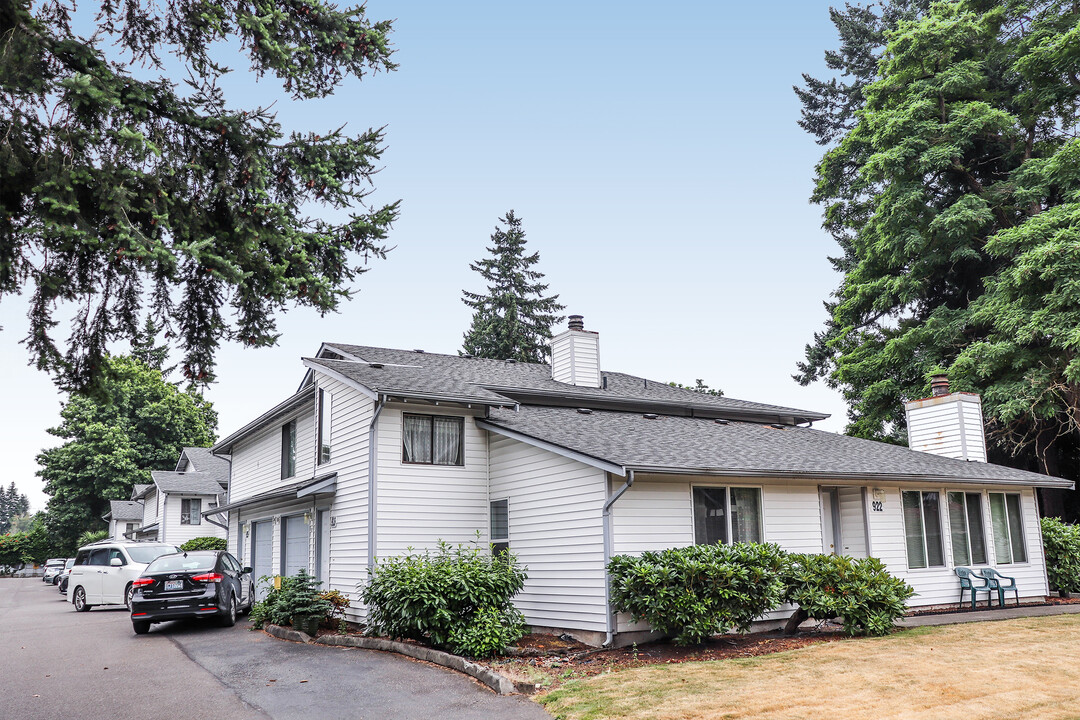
x=797 y=618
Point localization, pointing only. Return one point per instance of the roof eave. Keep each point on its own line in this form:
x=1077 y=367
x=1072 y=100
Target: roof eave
x=224 y=447
x=566 y=452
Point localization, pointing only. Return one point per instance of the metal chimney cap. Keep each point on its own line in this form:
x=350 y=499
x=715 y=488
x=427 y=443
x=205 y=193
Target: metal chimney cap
x=939 y=385
x=576 y=322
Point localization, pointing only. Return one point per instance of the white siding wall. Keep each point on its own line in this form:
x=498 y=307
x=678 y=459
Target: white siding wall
x=177 y=534
x=150 y=507
x=935 y=586
x=349 y=433
x=575 y=358
x=951 y=425
x=256 y=460
x=556 y=531
x=418 y=505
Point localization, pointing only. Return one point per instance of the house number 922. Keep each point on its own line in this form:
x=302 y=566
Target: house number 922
x=876 y=505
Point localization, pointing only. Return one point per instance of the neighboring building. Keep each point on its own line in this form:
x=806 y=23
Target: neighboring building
x=383 y=450
x=124 y=518
x=179 y=504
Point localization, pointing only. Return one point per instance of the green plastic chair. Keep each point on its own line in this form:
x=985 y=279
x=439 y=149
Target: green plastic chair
x=973 y=583
x=1001 y=583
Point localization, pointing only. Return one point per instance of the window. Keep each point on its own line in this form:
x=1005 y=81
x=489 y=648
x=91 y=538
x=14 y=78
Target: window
x=500 y=527
x=966 y=528
x=922 y=529
x=288 y=449
x=713 y=523
x=1008 y=527
x=131 y=527
x=433 y=440
x=190 y=511
x=99 y=557
x=325 y=423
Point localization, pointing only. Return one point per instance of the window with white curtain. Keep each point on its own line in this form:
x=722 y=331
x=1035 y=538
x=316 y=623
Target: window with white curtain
x=723 y=515
x=191 y=511
x=433 y=440
x=922 y=528
x=1008 y=526
x=966 y=528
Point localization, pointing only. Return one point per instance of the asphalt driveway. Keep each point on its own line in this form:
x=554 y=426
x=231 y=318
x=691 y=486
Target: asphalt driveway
x=56 y=663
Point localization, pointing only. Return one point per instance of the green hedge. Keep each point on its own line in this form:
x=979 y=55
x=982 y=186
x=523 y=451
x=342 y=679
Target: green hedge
x=692 y=593
x=456 y=598
x=1062 y=543
x=860 y=591
x=205 y=543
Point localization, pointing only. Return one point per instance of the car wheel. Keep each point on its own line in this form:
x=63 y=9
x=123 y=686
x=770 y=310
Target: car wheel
x=141 y=627
x=80 y=600
x=128 y=593
x=228 y=616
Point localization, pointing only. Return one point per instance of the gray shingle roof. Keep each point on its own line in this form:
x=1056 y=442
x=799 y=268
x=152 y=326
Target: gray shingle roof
x=683 y=444
x=139 y=491
x=193 y=483
x=203 y=461
x=125 y=510
x=496 y=380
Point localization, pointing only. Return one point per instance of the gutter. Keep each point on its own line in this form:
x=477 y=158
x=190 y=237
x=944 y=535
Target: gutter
x=611 y=616
x=372 y=504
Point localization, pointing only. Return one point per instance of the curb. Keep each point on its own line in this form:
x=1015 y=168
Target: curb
x=499 y=683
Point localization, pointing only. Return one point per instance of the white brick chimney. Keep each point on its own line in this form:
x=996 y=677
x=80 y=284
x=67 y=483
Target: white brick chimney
x=575 y=355
x=949 y=424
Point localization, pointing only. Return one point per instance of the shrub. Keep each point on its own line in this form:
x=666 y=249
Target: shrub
x=92 y=536
x=454 y=598
x=337 y=604
x=692 y=593
x=1062 y=543
x=205 y=543
x=860 y=591
x=297 y=595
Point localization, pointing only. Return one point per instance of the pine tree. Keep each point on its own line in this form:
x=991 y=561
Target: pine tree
x=12 y=505
x=513 y=320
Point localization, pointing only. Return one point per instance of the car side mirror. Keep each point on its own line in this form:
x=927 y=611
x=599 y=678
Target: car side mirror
x=116 y=562
x=247 y=570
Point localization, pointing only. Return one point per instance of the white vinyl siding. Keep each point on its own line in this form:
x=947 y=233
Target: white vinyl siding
x=951 y=426
x=575 y=358
x=256 y=460
x=176 y=533
x=556 y=530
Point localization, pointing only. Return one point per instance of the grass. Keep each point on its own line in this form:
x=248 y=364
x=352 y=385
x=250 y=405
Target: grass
x=1026 y=668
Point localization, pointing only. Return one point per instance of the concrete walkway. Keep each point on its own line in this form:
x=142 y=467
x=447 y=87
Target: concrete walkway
x=1005 y=613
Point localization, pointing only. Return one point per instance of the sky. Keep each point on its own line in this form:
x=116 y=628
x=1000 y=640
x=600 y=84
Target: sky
x=651 y=151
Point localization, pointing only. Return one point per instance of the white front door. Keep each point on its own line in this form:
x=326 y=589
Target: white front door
x=262 y=550
x=295 y=543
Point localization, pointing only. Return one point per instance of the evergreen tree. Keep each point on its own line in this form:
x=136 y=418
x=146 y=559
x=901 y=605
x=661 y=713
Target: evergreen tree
x=138 y=424
x=121 y=190
x=954 y=190
x=12 y=505
x=513 y=320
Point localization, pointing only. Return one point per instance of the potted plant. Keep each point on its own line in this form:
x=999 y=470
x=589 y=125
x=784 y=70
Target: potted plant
x=307 y=607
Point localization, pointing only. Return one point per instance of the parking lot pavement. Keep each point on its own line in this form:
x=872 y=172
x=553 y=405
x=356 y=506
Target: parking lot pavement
x=194 y=670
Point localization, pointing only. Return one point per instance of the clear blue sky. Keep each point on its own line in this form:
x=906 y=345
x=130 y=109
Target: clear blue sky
x=652 y=151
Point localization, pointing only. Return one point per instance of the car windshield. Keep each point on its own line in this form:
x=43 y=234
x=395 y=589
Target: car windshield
x=147 y=553
x=180 y=563
x=69 y=563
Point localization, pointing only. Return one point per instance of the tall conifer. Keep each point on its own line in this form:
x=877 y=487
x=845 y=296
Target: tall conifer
x=513 y=320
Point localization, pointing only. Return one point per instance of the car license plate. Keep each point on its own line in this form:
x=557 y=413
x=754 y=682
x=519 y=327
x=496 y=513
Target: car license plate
x=174 y=585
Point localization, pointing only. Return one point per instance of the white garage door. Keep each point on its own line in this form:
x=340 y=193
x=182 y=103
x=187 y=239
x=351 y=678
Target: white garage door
x=262 y=550
x=297 y=543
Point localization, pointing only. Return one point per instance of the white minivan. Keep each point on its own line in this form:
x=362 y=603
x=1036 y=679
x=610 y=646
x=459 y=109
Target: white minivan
x=103 y=571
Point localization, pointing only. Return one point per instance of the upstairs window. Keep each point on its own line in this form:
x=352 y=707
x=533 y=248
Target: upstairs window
x=288 y=449
x=325 y=422
x=966 y=529
x=500 y=527
x=922 y=529
x=433 y=440
x=726 y=515
x=190 y=511
x=1008 y=525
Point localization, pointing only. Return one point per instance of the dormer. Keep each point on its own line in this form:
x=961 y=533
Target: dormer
x=947 y=423
x=575 y=355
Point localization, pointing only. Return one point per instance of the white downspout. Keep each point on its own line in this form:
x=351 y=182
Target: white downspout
x=610 y=612
x=372 y=505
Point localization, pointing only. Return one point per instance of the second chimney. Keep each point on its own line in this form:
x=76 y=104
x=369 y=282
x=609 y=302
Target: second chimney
x=947 y=423
x=575 y=355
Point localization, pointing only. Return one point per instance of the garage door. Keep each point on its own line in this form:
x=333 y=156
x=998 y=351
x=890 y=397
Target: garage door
x=296 y=541
x=262 y=550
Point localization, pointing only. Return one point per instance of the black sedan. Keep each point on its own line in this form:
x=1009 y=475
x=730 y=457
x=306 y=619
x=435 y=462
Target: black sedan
x=203 y=583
